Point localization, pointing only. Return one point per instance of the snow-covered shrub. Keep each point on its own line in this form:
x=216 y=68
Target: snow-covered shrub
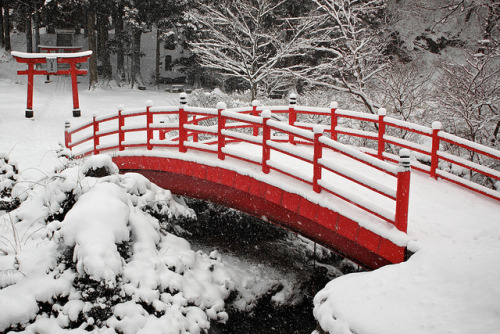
x=99 y=166
x=105 y=264
x=8 y=178
x=202 y=98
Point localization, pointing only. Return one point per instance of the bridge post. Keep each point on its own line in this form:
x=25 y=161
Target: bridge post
x=381 y=132
x=67 y=135
x=292 y=114
x=182 y=122
x=95 y=127
x=266 y=135
x=333 y=120
x=436 y=127
x=149 y=120
x=255 y=103
x=318 y=152
x=121 y=124
x=221 y=125
x=403 y=190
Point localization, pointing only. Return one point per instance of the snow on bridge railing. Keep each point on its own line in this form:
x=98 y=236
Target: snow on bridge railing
x=211 y=130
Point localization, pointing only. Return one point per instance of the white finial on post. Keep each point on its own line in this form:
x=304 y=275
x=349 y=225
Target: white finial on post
x=318 y=128
x=334 y=105
x=255 y=103
x=183 y=98
x=120 y=107
x=266 y=113
x=292 y=99
x=221 y=105
x=404 y=159
x=382 y=112
x=149 y=103
x=436 y=125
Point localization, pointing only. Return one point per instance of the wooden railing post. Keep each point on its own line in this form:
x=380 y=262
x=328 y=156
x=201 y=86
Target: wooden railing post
x=333 y=120
x=266 y=135
x=255 y=127
x=221 y=125
x=318 y=152
x=182 y=122
x=121 y=124
x=149 y=121
x=436 y=127
x=95 y=133
x=403 y=190
x=292 y=114
x=67 y=135
x=381 y=132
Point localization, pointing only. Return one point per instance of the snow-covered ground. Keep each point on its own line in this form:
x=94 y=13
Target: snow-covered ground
x=449 y=285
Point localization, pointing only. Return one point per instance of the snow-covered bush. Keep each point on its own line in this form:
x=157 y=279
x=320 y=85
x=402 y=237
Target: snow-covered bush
x=8 y=178
x=104 y=264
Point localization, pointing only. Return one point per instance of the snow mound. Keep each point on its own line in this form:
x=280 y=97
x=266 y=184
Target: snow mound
x=86 y=253
x=446 y=287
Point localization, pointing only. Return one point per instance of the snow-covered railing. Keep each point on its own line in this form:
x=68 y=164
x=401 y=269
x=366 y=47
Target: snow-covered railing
x=211 y=130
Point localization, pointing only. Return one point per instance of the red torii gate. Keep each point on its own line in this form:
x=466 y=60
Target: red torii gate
x=52 y=60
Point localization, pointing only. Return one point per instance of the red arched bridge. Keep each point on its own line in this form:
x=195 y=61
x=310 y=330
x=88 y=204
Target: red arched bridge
x=266 y=161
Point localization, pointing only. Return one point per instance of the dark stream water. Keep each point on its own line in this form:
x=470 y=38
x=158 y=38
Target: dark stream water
x=251 y=240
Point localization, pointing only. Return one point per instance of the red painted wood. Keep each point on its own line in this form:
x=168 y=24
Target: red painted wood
x=182 y=130
x=29 y=103
x=381 y=133
x=221 y=142
x=333 y=123
x=308 y=209
x=368 y=239
x=309 y=220
x=73 y=72
x=74 y=86
x=347 y=227
x=149 y=130
x=317 y=168
x=95 y=136
x=255 y=128
x=266 y=151
x=402 y=200
x=292 y=118
x=121 y=134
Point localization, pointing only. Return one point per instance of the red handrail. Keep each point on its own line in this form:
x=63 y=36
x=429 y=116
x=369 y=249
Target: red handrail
x=222 y=126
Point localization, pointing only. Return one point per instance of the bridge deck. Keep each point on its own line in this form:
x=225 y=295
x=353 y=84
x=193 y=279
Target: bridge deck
x=437 y=207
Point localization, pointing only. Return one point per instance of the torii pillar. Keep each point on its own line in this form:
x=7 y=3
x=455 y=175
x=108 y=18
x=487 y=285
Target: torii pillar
x=52 y=60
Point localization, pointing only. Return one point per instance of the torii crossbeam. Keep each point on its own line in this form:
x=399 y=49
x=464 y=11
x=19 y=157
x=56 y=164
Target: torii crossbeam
x=52 y=60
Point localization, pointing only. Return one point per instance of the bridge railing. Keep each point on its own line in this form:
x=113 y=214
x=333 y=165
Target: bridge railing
x=435 y=151
x=211 y=129
x=184 y=127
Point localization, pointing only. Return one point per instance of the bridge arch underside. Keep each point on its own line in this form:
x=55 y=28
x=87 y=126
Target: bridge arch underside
x=252 y=196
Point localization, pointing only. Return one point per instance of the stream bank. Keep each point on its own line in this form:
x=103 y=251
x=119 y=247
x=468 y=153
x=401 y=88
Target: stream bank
x=282 y=273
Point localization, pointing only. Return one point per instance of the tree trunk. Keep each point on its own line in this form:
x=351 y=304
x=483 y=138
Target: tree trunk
x=157 y=67
x=136 y=58
x=29 y=35
x=91 y=17
x=6 y=26
x=120 y=53
x=103 y=50
x=36 y=23
x=2 y=42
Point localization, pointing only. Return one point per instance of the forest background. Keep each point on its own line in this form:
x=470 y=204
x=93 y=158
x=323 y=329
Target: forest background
x=421 y=60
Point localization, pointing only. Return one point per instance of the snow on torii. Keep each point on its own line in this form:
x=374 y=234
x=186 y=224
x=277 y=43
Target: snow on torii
x=52 y=60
